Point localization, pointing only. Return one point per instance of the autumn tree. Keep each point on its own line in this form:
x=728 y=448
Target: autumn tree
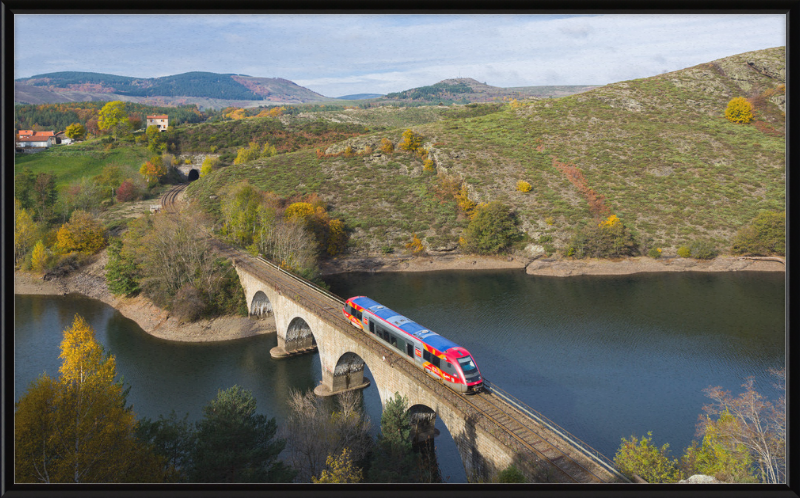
x=210 y=163
x=387 y=146
x=339 y=469
x=82 y=233
x=739 y=110
x=641 y=457
x=75 y=131
x=25 y=231
x=112 y=117
x=718 y=455
x=411 y=141
x=236 y=444
x=315 y=434
x=127 y=191
x=751 y=423
x=77 y=428
x=39 y=257
x=153 y=170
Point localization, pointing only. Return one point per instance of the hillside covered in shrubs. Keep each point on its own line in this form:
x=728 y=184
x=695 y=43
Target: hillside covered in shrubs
x=647 y=166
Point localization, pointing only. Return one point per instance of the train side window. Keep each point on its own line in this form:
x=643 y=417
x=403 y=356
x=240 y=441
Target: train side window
x=435 y=360
x=426 y=355
x=410 y=350
x=356 y=313
x=372 y=326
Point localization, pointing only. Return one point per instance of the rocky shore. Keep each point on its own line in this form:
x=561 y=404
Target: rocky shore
x=90 y=281
x=549 y=266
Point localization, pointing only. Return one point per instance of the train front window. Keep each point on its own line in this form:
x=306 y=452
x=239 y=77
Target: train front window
x=466 y=364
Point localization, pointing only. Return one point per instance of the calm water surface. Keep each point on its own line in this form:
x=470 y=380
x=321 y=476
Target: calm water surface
x=604 y=357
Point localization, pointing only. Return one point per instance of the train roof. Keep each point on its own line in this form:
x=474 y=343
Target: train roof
x=405 y=324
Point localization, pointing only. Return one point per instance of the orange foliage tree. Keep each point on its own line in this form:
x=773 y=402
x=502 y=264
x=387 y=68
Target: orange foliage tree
x=82 y=233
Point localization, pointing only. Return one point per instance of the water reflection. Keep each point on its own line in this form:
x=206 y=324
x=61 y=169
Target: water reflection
x=605 y=357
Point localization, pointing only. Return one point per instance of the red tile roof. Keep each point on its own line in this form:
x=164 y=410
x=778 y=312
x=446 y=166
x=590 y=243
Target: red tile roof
x=44 y=134
x=158 y=116
x=33 y=139
x=25 y=132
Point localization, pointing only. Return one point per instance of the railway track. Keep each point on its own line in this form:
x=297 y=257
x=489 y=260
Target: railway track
x=571 y=460
x=170 y=197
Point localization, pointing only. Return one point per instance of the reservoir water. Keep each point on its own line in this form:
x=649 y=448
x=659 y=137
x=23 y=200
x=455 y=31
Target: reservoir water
x=604 y=357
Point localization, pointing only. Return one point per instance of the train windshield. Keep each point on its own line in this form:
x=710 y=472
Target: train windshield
x=466 y=364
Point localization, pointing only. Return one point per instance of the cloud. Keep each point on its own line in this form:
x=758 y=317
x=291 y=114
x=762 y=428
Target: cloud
x=344 y=53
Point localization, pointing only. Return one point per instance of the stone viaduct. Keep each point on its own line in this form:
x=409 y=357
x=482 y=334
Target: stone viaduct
x=308 y=318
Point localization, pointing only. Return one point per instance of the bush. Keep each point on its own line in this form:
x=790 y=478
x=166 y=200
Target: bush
x=765 y=235
x=524 y=186
x=608 y=239
x=127 y=191
x=641 y=457
x=684 y=252
x=492 y=229
x=82 y=233
x=701 y=249
x=188 y=304
x=511 y=474
x=387 y=146
x=739 y=110
x=654 y=252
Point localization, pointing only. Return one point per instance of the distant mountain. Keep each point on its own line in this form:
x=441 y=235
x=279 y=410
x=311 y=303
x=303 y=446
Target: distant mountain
x=470 y=90
x=360 y=96
x=203 y=88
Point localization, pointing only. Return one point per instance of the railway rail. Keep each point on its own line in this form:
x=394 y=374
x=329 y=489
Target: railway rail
x=170 y=198
x=571 y=459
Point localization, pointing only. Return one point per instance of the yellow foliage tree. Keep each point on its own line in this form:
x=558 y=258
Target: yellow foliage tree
x=209 y=163
x=428 y=165
x=299 y=211
x=247 y=154
x=411 y=141
x=415 y=245
x=387 y=146
x=464 y=203
x=25 y=230
x=152 y=170
x=340 y=470
x=77 y=428
x=39 y=257
x=82 y=233
x=739 y=110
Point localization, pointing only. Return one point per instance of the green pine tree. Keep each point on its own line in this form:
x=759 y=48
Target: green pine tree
x=121 y=271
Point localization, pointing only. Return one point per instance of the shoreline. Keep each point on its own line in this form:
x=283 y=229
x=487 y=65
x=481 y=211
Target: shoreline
x=90 y=281
x=550 y=266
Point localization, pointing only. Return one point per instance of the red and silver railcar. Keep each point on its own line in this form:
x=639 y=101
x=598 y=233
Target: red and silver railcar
x=438 y=356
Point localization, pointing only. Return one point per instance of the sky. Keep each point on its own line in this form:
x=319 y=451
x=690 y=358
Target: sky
x=345 y=54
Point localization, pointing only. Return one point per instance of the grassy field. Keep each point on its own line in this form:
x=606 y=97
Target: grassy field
x=70 y=163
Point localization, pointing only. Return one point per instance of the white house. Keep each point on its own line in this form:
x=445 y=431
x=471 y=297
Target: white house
x=160 y=120
x=35 y=142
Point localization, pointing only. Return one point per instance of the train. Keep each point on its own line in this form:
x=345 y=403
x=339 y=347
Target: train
x=440 y=357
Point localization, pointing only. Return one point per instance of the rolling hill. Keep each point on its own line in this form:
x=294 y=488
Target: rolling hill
x=466 y=90
x=657 y=152
x=202 y=88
